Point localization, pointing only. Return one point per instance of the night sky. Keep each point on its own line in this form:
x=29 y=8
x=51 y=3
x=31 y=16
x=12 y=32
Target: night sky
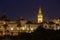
x=28 y=9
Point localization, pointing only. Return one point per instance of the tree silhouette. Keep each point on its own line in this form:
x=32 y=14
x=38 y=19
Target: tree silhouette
x=45 y=34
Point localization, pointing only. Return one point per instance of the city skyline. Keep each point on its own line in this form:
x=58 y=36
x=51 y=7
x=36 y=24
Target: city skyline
x=28 y=9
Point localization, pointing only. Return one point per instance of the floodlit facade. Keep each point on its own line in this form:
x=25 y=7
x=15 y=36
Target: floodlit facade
x=13 y=29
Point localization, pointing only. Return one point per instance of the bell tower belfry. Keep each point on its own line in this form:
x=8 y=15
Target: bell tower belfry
x=40 y=16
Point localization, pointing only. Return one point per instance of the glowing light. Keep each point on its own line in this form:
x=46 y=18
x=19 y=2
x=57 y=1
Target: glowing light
x=12 y=28
x=23 y=28
x=32 y=29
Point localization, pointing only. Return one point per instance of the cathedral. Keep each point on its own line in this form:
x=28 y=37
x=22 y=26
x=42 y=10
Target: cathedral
x=9 y=27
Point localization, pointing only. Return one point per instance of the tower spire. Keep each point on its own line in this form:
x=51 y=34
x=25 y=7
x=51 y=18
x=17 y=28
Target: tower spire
x=40 y=11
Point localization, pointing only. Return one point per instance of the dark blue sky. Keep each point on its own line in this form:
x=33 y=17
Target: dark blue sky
x=28 y=8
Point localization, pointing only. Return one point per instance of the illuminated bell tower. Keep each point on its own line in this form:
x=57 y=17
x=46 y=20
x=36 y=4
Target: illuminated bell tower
x=40 y=16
